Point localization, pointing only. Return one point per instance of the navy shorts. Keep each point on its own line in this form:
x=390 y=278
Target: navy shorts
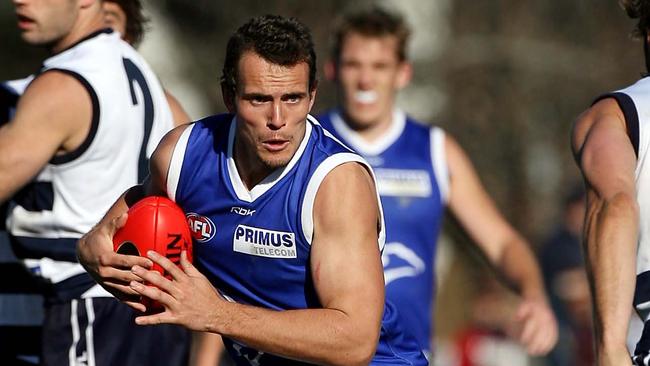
x=102 y=332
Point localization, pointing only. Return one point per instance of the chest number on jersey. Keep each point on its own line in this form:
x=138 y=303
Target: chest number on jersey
x=135 y=76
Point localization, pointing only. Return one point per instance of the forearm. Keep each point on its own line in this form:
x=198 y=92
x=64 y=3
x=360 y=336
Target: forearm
x=519 y=267
x=611 y=242
x=322 y=336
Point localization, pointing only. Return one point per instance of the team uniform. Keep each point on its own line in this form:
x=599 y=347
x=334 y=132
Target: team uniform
x=83 y=323
x=254 y=246
x=634 y=101
x=21 y=308
x=412 y=180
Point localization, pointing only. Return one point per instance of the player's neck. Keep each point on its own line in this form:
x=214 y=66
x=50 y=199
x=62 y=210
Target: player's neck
x=371 y=132
x=82 y=28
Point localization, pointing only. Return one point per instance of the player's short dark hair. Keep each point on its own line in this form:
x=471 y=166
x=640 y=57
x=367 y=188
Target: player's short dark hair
x=278 y=40
x=638 y=9
x=372 y=22
x=136 y=22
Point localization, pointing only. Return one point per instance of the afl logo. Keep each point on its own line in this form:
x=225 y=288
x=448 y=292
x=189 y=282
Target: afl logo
x=202 y=227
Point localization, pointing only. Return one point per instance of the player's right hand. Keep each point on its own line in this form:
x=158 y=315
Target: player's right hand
x=111 y=270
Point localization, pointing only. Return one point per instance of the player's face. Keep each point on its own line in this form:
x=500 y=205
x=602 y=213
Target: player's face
x=114 y=17
x=369 y=75
x=45 y=22
x=272 y=103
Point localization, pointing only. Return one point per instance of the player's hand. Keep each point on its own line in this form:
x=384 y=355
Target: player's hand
x=189 y=298
x=111 y=270
x=536 y=327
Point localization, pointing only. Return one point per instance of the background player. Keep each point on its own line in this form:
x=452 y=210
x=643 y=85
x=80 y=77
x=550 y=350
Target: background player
x=318 y=299
x=420 y=171
x=96 y=110
x=610 y=143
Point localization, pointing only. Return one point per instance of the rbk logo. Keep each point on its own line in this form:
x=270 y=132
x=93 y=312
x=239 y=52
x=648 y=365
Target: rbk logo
x=202 y=227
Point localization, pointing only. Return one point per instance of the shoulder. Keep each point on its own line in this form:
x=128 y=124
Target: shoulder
x=55 y=94
x=605 y=113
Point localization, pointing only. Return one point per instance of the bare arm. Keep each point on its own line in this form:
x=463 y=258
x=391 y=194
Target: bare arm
x=347 y=274
x=52 y=117
x=607 y=160
x=95 y=248
x=504 y=248
x=178 y=113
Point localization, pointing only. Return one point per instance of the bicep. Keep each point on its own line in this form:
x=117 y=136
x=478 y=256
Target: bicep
x=53 y=112
x=159 y=164
x=345 y=257
x=607 y=159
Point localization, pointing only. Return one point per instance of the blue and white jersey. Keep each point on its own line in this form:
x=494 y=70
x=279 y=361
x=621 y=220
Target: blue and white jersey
x=412 y=180
x=254 y=245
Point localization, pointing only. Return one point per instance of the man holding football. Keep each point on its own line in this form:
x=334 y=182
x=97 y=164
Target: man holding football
x=298 y=278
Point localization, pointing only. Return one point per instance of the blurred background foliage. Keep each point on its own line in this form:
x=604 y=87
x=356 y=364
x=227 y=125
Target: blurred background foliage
x=505 y=77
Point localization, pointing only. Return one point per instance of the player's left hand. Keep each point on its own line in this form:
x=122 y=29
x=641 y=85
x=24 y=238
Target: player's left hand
x=189 y=298
x=536 y=327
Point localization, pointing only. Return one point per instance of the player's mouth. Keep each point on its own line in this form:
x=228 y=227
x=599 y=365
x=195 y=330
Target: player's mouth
x=366 y=96
x=275 y=145
x=24 y=22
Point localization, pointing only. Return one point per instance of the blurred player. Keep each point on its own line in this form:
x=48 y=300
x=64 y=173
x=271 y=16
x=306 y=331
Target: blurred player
x=286 y=219
x=83 y=128
x=610 y=143
x=420 y=171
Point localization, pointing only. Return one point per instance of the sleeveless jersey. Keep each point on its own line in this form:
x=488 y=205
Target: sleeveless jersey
x=130 y=115
x=254 y=246
x=410 y=165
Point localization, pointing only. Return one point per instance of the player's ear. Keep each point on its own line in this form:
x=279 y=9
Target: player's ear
x=404 y=74
x=329 y=69
x=228 y=95
x=88 y=3
x=312 y=94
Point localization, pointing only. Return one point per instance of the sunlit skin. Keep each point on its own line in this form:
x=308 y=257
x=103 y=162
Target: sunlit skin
x=271 y=103
x=114 y=17
x=369 y=76
x=50 y=23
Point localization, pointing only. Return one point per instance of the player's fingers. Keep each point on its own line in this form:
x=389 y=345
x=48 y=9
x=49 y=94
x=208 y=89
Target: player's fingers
x=155 y=319
x=187 y=266
x=110 y=274
x=154 y=293
x=136 y=305
x=123 y=261
x=528 y=331
x=156 y=279
x=166 y=264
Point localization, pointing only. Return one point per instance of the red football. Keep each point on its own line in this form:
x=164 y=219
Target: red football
x=155 y=223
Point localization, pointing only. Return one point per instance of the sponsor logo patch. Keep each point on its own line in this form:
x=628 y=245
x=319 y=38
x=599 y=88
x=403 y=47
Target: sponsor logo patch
x=201 y=227
x=403 y=182
x=264 y=243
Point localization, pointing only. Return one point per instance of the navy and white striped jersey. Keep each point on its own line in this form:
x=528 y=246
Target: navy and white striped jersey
x=73 y=191
x=634 y=102
x=254 y=245
x=410 y=166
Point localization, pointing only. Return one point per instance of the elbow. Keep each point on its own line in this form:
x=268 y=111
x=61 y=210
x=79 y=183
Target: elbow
x=359 y=349
x=621 y=204
x=364 y=353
